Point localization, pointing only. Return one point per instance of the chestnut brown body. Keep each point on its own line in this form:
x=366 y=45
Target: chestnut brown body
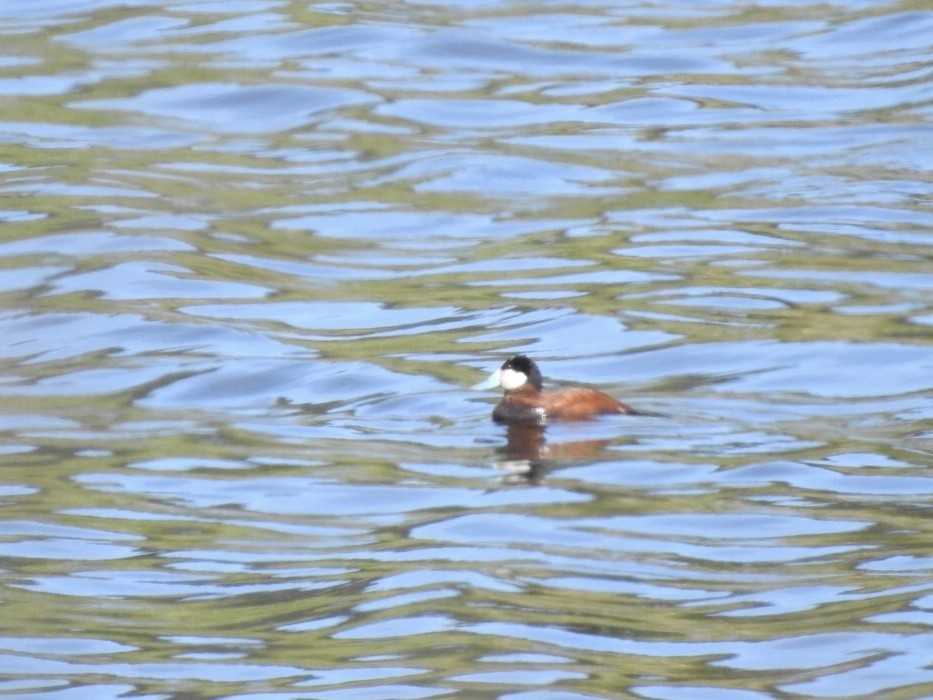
x=530 y=404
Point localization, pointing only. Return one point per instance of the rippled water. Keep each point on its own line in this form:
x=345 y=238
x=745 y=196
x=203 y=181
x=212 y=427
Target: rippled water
x=254 y=253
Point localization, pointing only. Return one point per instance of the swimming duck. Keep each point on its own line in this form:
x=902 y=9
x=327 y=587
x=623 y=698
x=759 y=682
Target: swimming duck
x=526 y=402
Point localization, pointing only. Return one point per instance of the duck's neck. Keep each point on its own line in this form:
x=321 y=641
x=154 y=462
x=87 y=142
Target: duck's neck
x=524 y=390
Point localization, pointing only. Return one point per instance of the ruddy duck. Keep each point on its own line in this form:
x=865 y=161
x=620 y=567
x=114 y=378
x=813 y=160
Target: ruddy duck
x=525 y=402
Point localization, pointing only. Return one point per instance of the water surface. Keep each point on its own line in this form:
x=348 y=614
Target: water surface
x=255 y=253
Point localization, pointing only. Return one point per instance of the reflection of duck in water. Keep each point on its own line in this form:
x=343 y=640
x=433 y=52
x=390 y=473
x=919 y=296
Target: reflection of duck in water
x=526 y=402
x=526 y=453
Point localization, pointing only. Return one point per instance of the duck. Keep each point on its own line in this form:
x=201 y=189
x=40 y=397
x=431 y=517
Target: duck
x=525 y=400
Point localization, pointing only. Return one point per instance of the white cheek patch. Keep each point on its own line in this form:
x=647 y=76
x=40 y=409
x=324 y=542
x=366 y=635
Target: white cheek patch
x=509 y=379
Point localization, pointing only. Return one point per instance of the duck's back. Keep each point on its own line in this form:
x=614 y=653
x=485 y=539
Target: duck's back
x=572 y=404
x=580 y=403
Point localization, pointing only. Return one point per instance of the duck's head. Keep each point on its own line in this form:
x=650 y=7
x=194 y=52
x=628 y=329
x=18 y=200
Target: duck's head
x=515 y=372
